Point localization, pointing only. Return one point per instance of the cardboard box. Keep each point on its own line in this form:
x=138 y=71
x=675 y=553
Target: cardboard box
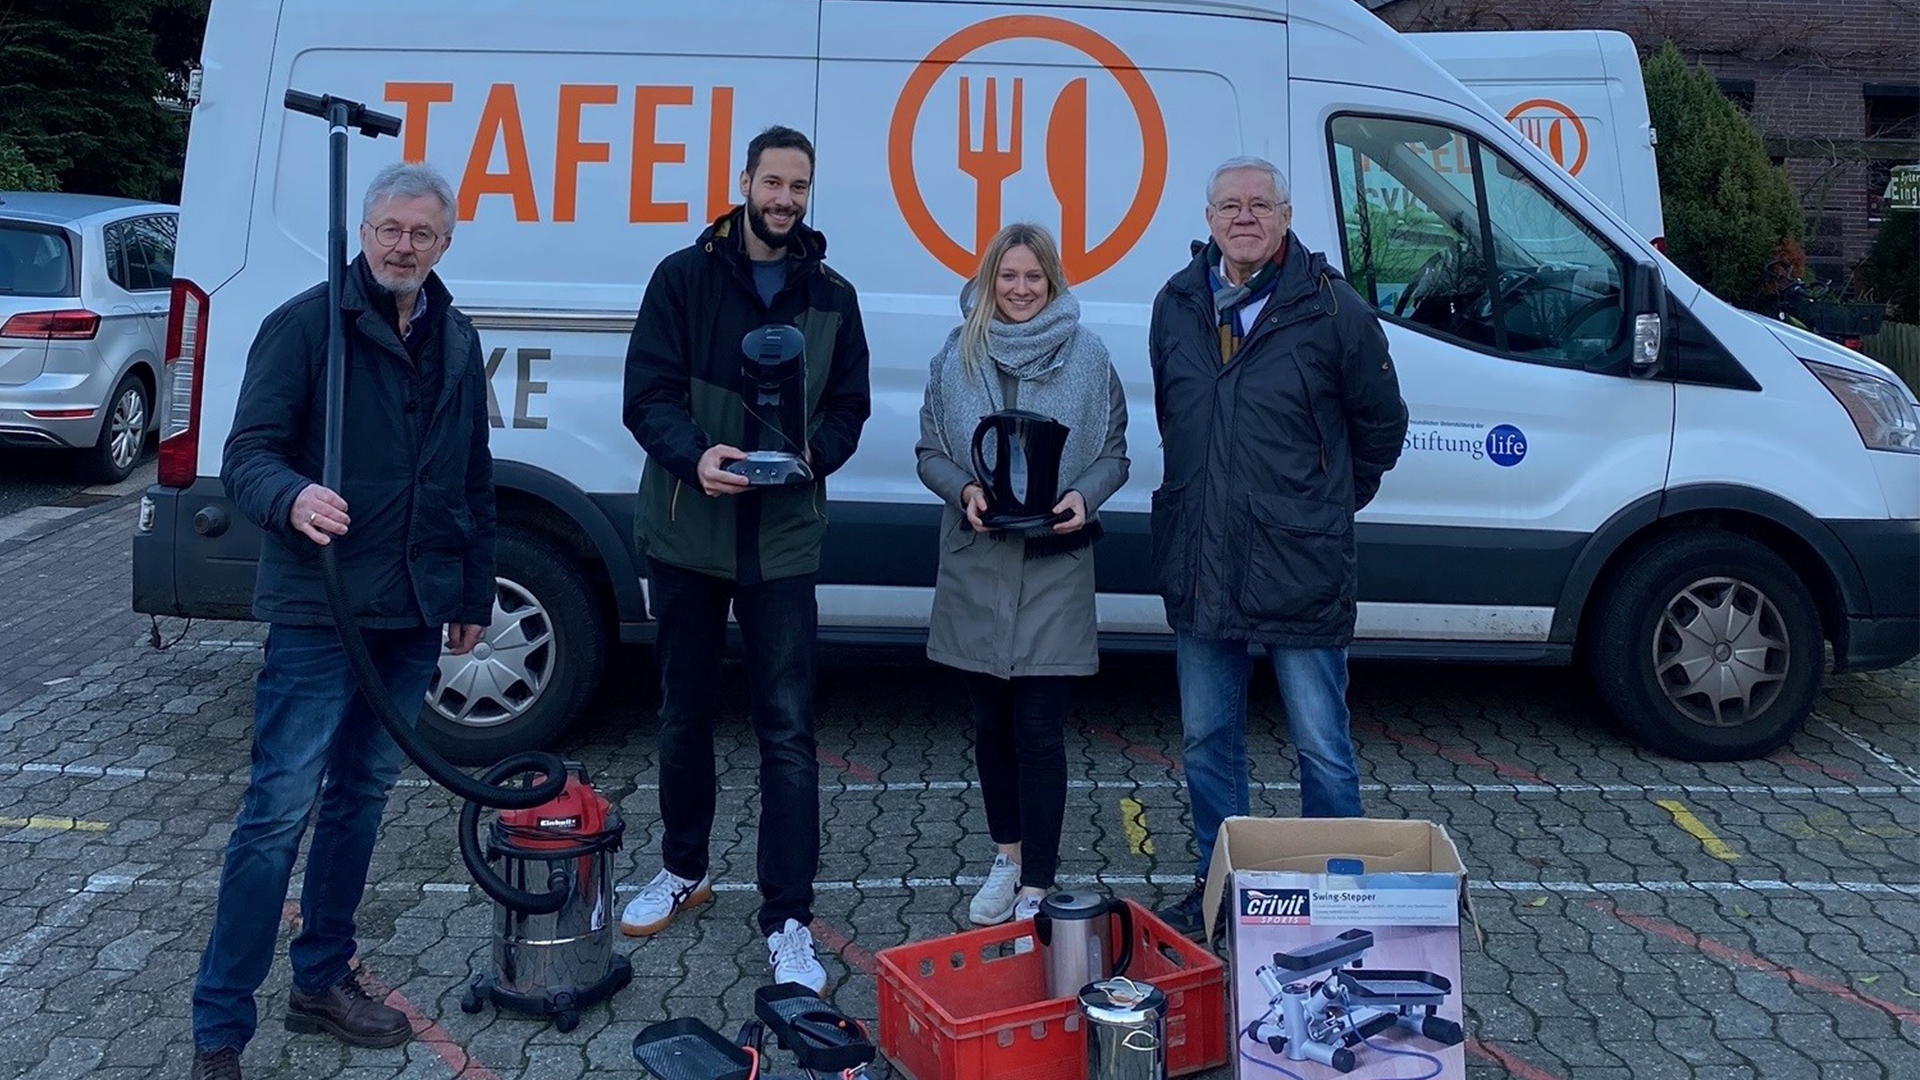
x=1346 y=930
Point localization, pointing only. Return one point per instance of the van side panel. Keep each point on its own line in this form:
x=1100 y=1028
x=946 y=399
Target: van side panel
x=1105 y=126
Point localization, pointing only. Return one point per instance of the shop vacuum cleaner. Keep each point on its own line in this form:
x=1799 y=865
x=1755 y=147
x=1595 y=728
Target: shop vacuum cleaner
x=553 y=948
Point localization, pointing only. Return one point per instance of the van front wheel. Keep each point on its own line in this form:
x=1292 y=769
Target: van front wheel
x=537 y=666
x=1707 y=647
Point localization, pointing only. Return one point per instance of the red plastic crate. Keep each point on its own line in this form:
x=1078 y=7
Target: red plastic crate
x=973 y=1006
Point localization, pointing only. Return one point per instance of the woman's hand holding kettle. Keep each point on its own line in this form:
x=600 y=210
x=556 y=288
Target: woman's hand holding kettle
x=973 y=499
x=1074 y=505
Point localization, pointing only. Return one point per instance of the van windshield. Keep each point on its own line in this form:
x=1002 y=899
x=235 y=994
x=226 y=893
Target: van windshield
x=35 y=260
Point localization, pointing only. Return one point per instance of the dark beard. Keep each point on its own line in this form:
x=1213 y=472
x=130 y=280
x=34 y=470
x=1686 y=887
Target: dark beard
x=758 y=224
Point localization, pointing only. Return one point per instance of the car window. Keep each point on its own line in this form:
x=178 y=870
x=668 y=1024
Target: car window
x=35 y=260
x=1446 y=234
x=155 y=239
x=118 y=237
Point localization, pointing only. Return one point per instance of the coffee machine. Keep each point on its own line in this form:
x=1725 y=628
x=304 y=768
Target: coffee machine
x=773 y=368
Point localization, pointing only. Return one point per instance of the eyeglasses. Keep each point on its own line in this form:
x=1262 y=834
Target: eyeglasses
x=1261 y=208
x=423 y=237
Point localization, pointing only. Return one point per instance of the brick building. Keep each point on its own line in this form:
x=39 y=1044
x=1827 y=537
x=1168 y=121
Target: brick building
x=1834 y=85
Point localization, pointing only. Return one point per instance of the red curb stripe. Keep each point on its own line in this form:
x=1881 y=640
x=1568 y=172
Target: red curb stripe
x=425 y=1031
x=1453 y=754
x=857 y=771
x=431 y=1035
x=1515 y=1067
x=1135 y=750
x=1731 y=955
x=1781 y=757
x=856 y=957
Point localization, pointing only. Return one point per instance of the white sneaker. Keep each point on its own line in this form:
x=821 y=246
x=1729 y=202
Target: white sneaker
x=1026 y=908
x=995 y=900
x=661 y=901
x=790 y=951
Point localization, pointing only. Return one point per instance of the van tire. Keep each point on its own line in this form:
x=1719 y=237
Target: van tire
x=541 y=590
x=1643 y=664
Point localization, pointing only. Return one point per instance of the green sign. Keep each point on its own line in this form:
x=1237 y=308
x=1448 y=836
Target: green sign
x=1903 y=191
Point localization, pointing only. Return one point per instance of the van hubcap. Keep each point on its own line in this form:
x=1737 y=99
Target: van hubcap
x=1721 y=652
x=505 y=674
x=127 y=428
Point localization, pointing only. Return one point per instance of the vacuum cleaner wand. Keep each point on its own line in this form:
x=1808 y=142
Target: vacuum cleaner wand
x=341 y=114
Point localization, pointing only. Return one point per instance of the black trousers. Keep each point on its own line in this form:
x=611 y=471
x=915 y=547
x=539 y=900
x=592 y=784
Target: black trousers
x=777 y=620
x=1020 y=750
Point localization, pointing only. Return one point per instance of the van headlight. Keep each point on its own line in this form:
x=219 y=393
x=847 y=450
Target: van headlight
x=1881 y=411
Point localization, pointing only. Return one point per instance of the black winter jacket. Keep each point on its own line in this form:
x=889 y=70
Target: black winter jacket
x=1268 y=458
x=683 y=395
x=419 y=548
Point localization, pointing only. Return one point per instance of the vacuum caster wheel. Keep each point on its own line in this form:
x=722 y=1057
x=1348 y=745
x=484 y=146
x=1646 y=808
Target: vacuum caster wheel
x=566 y=1021
x=470 y=1001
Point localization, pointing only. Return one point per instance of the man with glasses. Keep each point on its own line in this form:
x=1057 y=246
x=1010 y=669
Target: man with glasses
x=1279 y=412
x=416 y=554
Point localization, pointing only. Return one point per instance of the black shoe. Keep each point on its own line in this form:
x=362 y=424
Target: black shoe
x=221 y=1064
x=1187 y=915
x=349 y=1014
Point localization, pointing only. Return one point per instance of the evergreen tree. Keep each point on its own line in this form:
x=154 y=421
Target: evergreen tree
x=1728 y=208
x=81 y=89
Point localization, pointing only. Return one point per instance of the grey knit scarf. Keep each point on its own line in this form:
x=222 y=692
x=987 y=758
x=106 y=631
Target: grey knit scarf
x=1063 y=373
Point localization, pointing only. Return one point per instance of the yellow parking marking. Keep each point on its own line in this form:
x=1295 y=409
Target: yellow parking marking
x=1133 y=817
x=60 y=824
x=1697 y=829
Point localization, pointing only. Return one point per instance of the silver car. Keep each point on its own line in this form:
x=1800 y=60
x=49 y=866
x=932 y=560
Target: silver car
x=85 y=285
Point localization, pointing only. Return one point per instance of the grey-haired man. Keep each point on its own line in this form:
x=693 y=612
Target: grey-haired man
x=414 y=521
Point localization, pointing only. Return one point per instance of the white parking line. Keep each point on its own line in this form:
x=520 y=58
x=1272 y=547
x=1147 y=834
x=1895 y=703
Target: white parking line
x=1906 y=772
x=1781 y=790
x=904 y=883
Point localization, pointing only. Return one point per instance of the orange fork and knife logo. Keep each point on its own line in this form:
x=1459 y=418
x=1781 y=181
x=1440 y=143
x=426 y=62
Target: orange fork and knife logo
x=990 y=159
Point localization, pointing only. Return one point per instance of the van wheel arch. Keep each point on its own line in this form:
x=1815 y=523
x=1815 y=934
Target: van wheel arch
x=1706 y=643
x=566 y=562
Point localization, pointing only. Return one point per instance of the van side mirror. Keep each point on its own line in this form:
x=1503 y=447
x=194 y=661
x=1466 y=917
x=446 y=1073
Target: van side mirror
x=1647 y=304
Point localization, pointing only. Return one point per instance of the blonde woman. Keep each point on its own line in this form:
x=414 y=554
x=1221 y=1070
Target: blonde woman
x=1014 y=611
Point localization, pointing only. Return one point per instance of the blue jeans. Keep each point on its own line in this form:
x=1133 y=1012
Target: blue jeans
x=310 y=727
x=1213 y=715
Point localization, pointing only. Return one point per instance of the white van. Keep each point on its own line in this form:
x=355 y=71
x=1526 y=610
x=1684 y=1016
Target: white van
x=1576 y=94
x=1604 y=463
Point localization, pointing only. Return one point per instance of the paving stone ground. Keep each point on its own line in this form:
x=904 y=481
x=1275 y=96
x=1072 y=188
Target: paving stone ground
x=1611 y=942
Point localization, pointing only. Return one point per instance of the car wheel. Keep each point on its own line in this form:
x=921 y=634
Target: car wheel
x=123 y=434
x=1708 y=648
x=537 y=666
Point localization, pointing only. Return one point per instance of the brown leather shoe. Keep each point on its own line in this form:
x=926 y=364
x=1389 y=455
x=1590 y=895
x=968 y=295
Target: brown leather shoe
x=216 y=1064
x=346 y=1012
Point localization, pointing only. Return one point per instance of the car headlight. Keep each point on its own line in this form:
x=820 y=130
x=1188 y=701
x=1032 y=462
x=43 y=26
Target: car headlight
x=1881 y=410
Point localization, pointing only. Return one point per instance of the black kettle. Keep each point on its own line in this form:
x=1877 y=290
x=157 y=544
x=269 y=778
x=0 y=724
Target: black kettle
x=1023 y=484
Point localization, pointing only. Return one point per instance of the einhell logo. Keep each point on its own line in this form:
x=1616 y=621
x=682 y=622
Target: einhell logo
x=560 y=822
x=1276 y=907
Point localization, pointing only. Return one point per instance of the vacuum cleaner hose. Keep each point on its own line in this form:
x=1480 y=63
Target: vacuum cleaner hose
x=374 y=689
x=490 y=882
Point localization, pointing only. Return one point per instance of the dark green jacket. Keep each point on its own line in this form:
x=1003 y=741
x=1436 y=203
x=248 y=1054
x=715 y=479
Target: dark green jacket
x=683 y=395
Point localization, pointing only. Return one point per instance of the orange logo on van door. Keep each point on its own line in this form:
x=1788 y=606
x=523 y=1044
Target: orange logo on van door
x=989 y=157
x=1554 y=128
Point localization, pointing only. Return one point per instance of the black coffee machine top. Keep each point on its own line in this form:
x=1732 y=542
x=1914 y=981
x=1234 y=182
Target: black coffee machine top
x=1022 y=484
x=774 y=357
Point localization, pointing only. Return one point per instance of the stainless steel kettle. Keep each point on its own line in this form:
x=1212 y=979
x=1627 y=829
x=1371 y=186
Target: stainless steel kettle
x=1075 y=932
